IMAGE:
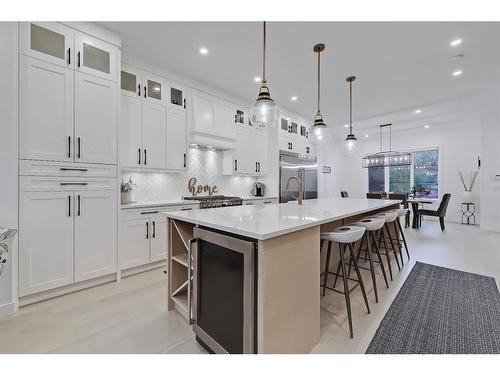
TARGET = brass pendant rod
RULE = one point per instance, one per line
(264, 53)
(350, 107)
(319, 81)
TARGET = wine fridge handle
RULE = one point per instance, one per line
(191, 313)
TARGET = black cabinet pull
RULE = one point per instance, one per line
(73, 183)
(147, 229)
(149, 212)
(69, 56)
(256, 167)
(79, 148)
(235, 165)
(78, 204)
(69, 146)
(184, 160)
(145, 157)
(184, 103)
(259, 167)
(145, 91)
(139, 156)
(78, 63)
(74, 169)
(186, 209)
(69, 205)
(139, 89)
(154, 229)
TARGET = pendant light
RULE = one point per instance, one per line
(350, 141)
(317, 134)
(388, 158)
(264, 112)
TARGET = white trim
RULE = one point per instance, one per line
(7, 309)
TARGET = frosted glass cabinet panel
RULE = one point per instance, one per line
(131, 81)
(154, 89)
(177, 96)
(48, 41)
(95, 57)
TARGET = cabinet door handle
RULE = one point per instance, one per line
(186, 209)
(184, 160)
(256, 167)
(79, 148)
(69, 205)
(149, 212)
(69, 56)
(145, 91)
(154, 229)
(69, 146)
(235, 165)
(184, 103)
(78, 62)
(139, 151)
(78, 204)
(74, 169)
(73, 183)
(145, 157)
(139, 89)
(147, 229)
(259, 167)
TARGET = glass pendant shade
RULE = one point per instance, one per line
(318, 132)
(264, 112)
(349, 144)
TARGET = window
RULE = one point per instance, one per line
(423, 172)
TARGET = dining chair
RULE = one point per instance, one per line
(440, 212)
(404, 198)
(375, 195)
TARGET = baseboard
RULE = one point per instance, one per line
(7, 309)
(144, 268)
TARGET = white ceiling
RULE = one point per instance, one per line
(399, 66)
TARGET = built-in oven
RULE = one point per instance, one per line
(221, 294)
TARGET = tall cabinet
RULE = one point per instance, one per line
(68, 135)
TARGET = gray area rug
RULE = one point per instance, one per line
(441, 311)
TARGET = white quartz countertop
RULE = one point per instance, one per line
(271, 220)
(147, 204)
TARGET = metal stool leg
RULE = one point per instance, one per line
(360, 280)
(379, 257)
(346, 289)
(327, 267)
(404, 239)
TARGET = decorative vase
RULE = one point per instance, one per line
(127, 197)
(467, 196)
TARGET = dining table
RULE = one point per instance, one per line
(415, 202)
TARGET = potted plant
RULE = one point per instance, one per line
(419, 191)
(127, 191)
(468, 189)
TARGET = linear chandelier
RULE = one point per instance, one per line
(388, 158)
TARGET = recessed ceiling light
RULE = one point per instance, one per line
(417, 111)
(257, 79)
(346, 125)
(203, 51)
(456, 42)
(427, 126)
(457, 73)
(366, 135)
(294, 98)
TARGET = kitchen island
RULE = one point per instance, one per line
(248, 277)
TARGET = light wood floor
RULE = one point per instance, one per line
(131, 317)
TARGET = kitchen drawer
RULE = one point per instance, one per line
(135, 214)
(43, 183)
(48, 168)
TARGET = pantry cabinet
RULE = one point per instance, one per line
(46, 98)
(130, 131)
(45, 240)
(96, 120)
(154, 136)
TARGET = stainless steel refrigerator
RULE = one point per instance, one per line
(303, 168)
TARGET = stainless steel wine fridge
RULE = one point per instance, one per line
(221, 294)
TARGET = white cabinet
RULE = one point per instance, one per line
(130, 131)
(131, 81)
(95, 234)
(134, 242)
(95, 119)
(45, 110)
(154, 89)
(224, 119)
(47, 41)
(176, 138)
(96, 57)
(249, 157)
(158, 238)
(154, 136)
(177, 95)
(45, 241)
(203, 113)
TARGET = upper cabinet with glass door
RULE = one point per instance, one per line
(154, 89)
(131, 82)
(176, 95)
(47, 41)
(96, 57)
(241, 117)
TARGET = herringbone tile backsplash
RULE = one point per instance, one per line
(205, 166)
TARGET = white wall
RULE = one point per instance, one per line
(459, 148)
(490, 165)
(8, 154)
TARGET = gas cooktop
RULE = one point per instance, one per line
(213, 201)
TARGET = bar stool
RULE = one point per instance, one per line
(345, 236)
(385, 237)
(371, 226)
(402, 212)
